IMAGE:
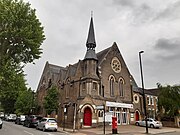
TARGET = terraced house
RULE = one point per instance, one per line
(100, 81)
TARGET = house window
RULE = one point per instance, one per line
(121, 87)
(100, 114)
(111, 84)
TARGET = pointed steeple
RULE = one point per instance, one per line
(91, 43)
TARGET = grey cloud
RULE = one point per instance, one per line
(170, 12)
(128, 3)
(167, 44)
(168, 49)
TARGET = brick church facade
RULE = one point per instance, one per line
(100, 81)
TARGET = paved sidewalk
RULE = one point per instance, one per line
(122, 130)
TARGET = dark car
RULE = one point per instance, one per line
(32, 120)
(20, 119)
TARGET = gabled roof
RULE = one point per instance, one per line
(54, 68)
(102, 54)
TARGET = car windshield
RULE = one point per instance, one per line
(52, 120)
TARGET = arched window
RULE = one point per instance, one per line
(121, 87)
(111, 84)
(67, 87)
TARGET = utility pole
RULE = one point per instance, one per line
(144, 98)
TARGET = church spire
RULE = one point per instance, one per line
(91, 43)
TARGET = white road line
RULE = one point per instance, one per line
(50, 134)
(28, 132)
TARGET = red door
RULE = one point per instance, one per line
(137, 115)
(87, 117)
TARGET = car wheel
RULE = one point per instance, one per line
(55, 130)
(151, 126)
(37, 127)
(28, 125)
(44, 129)
(137, 124)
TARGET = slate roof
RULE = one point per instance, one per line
(90, 54)
(101, 55)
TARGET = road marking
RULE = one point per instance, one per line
(50, 134)
(28, 132)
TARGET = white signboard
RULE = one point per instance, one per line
(99, 107)
(116, 104)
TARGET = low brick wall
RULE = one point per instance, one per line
(168, 124)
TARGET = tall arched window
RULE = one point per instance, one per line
(111, 84)
(121, 87)
(67, 87)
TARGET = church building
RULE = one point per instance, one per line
(97, 83)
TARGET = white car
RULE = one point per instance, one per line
(11, 117)
(47, 124)
(151, 123)
(1, 123)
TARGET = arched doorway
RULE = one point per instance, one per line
(87, 117)
(137, 115)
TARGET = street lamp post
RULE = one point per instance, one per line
(144, 99)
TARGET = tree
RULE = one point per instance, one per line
(21, 33)
(51, 100)
(10, 86)
(169, 100)
(25, 102)
(21, 36)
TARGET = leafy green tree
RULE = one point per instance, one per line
(51, 100)
(21, 36)
(11, 84)
(25, 102)
(21, 33)
(169, 100)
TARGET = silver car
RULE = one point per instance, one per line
(47, 124)
(151, 123)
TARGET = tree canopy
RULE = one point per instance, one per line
(10, 85)
(21, 33)
(21, 37)
(51, 100)
(169, 100)
(25, 102)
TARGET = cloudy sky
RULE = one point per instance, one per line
(135, 25)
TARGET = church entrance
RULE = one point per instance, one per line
(87, 117)
(137, 116)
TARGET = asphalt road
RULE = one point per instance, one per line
(9, 128)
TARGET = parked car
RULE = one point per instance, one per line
(32, 120)
(1, 115)
(20, 119)
(1, 123)
(11, 117)
(151, 123)
(47, 124)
